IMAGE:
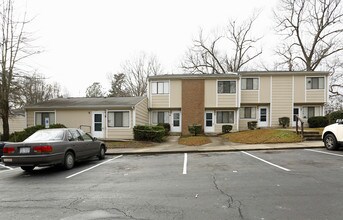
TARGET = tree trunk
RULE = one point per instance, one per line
(5, 127)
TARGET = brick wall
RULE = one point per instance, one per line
(193, 103)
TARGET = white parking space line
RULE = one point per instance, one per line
(267, 162)
(10, 168)
(185, 164)
(324, 152)
(75, 174)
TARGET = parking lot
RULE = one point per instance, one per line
(283, 184)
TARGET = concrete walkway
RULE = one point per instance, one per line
(217, 145)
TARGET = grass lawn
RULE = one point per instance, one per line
(128, 144)
(263, 136)
(194, 140)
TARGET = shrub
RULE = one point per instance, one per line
(19, 136)
(226, 128)
(148, 133)
(333, 116)
(194, 129)
(284, 121)
(318, 122)
(166, 127)
(252, 125)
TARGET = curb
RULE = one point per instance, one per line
(206, 150)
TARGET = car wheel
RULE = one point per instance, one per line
(27, 168)
(330, 142)
(101, 155)
(69, 160)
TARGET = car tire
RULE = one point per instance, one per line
(102, 151)
(27, 168)
(330, 142)
(69, 160)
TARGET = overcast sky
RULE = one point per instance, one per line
(86, 40)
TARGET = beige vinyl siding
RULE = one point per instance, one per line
(282, 99)
(142, 114)
(16, 123)
(210, 93)
(175, 93)
(227, 100)
(265, 89)
(120, 133)
(249, 96)
(243, 123)
(74, 118)
(160, 101)
(299, 89)
(315, 95)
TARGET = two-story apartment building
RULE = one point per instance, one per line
(235, 99)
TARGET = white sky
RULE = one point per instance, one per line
(85, 40)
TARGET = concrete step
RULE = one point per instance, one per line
(313, 138)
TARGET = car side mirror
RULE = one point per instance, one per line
(95, 139)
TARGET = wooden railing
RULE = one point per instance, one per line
(297, 119)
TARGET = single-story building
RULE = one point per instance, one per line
(105, 118)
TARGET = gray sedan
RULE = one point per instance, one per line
(62, 146)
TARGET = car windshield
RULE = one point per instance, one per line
(46, 135)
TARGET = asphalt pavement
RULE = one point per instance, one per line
(217, 145)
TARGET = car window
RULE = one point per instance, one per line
(70, 136)
(46, 135)
(76, 135)
(85, 136)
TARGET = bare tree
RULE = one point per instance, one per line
(137, 72)
(94, 90)
(313, 30)
(207, 57)
(15, 47)
(118, 88)
(31, 89)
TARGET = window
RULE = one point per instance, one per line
(85, 136)
(226, 87)
(41, 118)
(118, 119)
(249, 83)
(315, 83)
(310, 112)
(160, 117)
(248, 113)
(160, 87)
(225, 117)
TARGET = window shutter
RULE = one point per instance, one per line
(255, 83)
(244, 84)
(253, 112)
(166, 117)
(110, 119)
(154, 88)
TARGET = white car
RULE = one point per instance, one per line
(333, 135)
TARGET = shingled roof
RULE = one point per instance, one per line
(87, 103)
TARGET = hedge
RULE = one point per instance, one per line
(252, 125)
(20, 136)
(148, 133)
(318, 122)
(284, 121)
(194, 129)
(166, 127)
(226, 128)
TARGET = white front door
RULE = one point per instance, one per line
(98, 124)
(263, 117)
(209, 122)
(176, 122)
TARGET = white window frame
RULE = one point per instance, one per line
(253, 114)
(154, 120)
(118, 111)
(321, 84)
(226, 93)
(230, 122)
(35, 113)
(160, 87)
(255, 83)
